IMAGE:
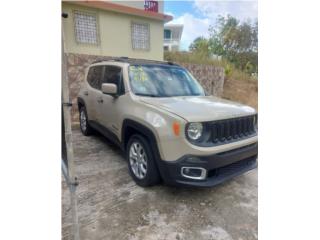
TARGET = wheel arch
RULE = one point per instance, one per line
(80, 102)
(131, 127)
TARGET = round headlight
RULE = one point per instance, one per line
(194, 131)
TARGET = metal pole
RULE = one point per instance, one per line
(70, 172)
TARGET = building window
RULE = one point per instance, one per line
(140, 36)
(86, 27)
(167, 34)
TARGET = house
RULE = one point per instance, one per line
(172, 37)
(115, 28)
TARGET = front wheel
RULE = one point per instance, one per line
(141, 162)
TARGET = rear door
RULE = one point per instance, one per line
(94, 93)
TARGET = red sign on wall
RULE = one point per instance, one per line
(151, 6)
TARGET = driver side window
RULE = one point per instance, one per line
(113, 74)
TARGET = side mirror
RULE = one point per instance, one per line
(109, 88)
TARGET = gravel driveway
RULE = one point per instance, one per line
(112, 206)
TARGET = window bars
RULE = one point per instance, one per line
(86, 27)
(140, 36)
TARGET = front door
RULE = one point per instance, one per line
(110, 105)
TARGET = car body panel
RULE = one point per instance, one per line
(201, 108)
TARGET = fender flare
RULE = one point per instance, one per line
(139, 128)
(147, 132)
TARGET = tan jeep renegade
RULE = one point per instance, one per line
(169, 128)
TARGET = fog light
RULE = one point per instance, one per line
(194, 172)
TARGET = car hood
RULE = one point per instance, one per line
(200, 108)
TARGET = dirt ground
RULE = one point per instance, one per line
(242, 91)
(112, 206)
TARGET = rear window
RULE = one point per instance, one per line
(94, 77)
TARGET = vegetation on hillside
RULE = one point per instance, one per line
(234, 43)
(231, 72)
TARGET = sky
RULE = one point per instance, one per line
(198, 15)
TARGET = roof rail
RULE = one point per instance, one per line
(132, 60)
(119, 59)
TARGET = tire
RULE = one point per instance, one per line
(84, 124)
(146, 161)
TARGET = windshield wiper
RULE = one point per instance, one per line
(147, 95)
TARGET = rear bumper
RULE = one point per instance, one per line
(219, 167)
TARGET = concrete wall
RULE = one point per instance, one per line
(210, 77)
(115, 34)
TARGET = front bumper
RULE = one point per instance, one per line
(220, 167)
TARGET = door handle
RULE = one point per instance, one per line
(86, 93)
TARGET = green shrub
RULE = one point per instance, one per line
(228, 70)
(249, 67)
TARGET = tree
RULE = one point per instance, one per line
(200, 46)
(233, 40)
(236, 41)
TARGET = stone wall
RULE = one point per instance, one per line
(210, 77)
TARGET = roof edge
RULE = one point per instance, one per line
(110, 6)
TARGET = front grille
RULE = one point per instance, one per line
(229, 130)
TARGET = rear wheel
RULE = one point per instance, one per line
(141, 162)
(84, 124)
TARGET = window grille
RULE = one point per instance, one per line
(85, 25)
(140, 36)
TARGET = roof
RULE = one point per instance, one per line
(173, 25)
(110, 6)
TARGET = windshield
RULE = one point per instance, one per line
(163, 81)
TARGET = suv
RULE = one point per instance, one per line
(169, 128)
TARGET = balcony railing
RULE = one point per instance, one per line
(171, 41)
